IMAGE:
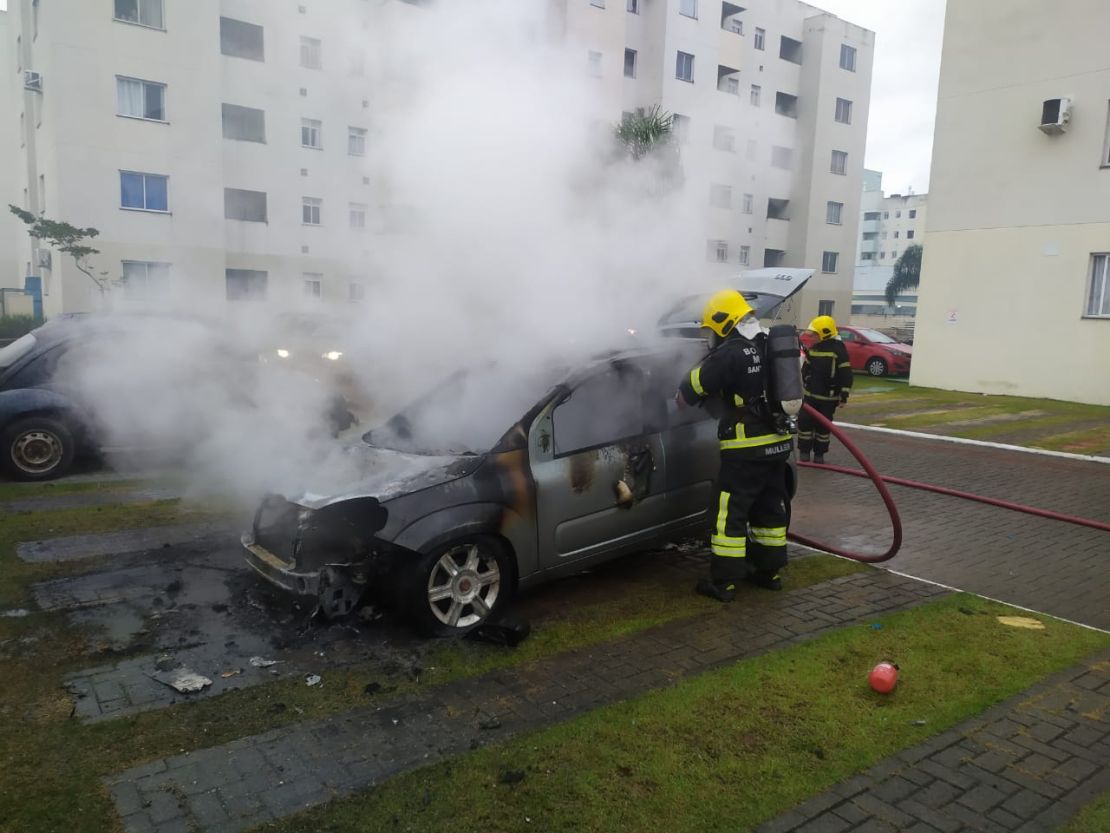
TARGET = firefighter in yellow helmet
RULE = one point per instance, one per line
(752, 508)
(827, 375)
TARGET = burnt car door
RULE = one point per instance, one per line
(598, 466)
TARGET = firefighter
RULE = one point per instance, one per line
(827, 374)
(752, 508)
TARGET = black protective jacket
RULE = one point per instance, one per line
(736, 374)
(827, 373)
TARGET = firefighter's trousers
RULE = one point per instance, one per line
(751, 515)
(811, 436)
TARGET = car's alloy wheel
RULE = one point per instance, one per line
(463, 586)
(876, 367)
(38, 448)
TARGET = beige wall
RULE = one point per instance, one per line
(10, 227)
(1015, 215)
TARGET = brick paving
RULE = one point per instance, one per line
(1054, 567)
(78, 547)
(241, 784)
(1025, 766)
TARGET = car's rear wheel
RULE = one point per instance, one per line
(876, 366)
(37, 448)
(458, 587)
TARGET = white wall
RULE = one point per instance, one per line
(10, 227)
(1005, 278)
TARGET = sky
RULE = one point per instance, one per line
(908, 35)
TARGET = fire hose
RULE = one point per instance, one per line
(880, 482)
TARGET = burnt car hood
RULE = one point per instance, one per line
(384, 474)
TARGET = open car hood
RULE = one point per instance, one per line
(384, 474)
(765, 289)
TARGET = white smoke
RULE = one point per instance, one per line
(512, 232)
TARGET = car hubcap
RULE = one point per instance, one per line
(877, 368)
(463, 586)
(37, 452)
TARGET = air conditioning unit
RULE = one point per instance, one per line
(32, 81)
(43, 261)
(1055, 115)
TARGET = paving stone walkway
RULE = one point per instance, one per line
(243, 783)
(1026, 766)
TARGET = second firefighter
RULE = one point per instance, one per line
(827, 374)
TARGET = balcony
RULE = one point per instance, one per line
(730, 18)
(728, 79)
(786, 105)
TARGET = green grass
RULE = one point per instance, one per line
(23, 491)
(51, 765)
(1094, 818)
(1083, 429)
(744, 743)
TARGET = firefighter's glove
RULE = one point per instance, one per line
(844, 397)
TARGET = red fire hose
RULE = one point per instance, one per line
(880, 482)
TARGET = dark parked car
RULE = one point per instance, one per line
(483, 487)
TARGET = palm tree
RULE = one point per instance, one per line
(642, 133)
(907, 274)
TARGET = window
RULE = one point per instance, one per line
(847, 57)
(630, 63)
(886, 215)
(633, 6)
(898, 215)
(825, 307)
(142, 277)
(245, 205)
(760, 38)
(746, 203)
(1098, 297)
(312, 53)
(313, 283)
(867, 256)
(870, 215)
(786, 105)
(790, 50)
(717, 251)
(882, 255)
(245, 284)
(356, 141)
(242, 40)
(720, 196)
(140, 99)
(870, 235)
(684, 67)
(310, 211)
(910, 234)
(839, 163)
(311, 134)
(600, 411)
(356, 292)
(782, 157)
(594, 64)
(894, 254)
(688, 8)
(777, 209)
(828, 263)
(745, 255)
(833, 211)
(724, 138)
(144, 192)
(843, 111)
(729, 84)
(913, 213)
(773, 257)
(357, 213)
(756, 94)
(896, 235)
(143, 12)
(244, 124)
(680, 124)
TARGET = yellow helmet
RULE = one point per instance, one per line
(824, 326)
(724, 311)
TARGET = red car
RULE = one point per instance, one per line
(870, 350)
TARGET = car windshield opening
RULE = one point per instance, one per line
(877, 337)
(465, 414)
(17, 350)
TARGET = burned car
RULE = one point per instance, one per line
(491, 484)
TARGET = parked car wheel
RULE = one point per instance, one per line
(458, 587)
(37, 448)
(876, 366)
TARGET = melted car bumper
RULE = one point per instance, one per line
(278, 572)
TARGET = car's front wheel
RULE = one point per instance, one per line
(458, 587)
(876, 366)
(37, 448)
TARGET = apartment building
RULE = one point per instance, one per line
(10, 270)
(201, 140)
(888, 226)
(770, 100)
(1023, 116)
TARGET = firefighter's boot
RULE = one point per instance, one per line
(720, 592)
(765, 579)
